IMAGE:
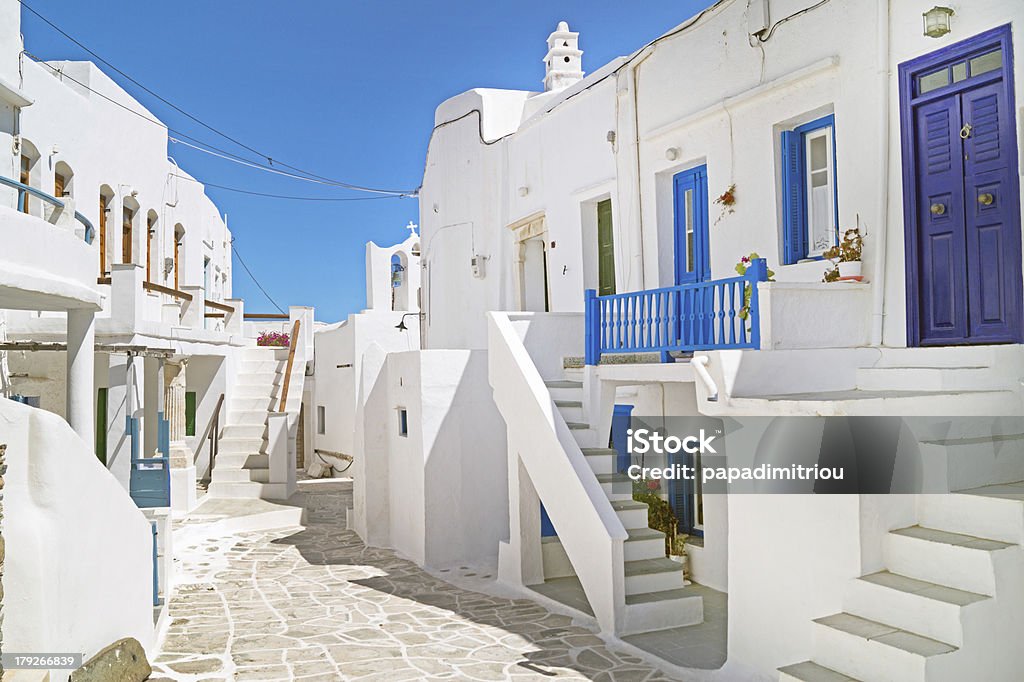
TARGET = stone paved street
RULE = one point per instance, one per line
(315, 604)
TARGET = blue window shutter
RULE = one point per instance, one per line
(794, 216)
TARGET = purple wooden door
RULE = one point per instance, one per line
(963, 222)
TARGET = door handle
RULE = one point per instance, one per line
(938, 209)
(986, 199)
(965, 132)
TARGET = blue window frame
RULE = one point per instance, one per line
(810, 201)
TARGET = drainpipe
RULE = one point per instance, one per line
(639, 183)
(878, 278)
(700, 367)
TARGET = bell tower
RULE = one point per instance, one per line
(564, 61)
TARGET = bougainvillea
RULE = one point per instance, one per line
(274, 339)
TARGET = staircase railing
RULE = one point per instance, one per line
(292, 344)
(714, 315)
(588, 527)
(24, 191)
(212, 434)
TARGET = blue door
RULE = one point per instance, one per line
(692, 258)
(961, 195)
(693, 263)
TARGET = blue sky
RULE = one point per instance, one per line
(343, 89)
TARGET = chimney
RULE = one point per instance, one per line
(564, 61)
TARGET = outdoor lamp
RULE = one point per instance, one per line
(936, 21)
(401, 323)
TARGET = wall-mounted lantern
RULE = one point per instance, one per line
(937, 21)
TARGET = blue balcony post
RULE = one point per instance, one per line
(757, 271)
(156, 567)
(592, 317)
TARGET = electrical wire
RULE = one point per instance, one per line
(304, 174)
(780, 22)
(282, 196)
(255, 281)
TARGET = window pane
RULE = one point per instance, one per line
(959, 72)
(819, 178)
(819, 153)
(688, 203)
(932, 81)
(987, 62)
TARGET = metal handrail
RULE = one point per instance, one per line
(212, 434)
(24, 189)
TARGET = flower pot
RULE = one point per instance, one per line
(849, 269)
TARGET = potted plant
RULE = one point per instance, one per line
(273, 339)
(846, 257)
(678, 554)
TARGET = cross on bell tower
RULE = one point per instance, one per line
(564, 60)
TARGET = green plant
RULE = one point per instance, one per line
(849, 250)
(660, 516)
(741, 268)
(679, 544)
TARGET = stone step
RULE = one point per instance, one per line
(873, 403)
(870, 650)
(556, 561)
(251, 366)
(918, 606)
(644, 543)
(249, 417)
(237, 460)
(263, 354)
(944, 356)
(963, 562)
(244, 431)
(631, 513)
(565, 390)
(225, 475)
(931, 378)
(652, 575)
(242, 446)
(235, 489)
(601, 460)
(572, 410)
(616, 486)
(256, 391)
(244, 403)
(976, 513)
(808, 671)
(661, 610)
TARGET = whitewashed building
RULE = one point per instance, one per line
(116, 314)
(604, 217)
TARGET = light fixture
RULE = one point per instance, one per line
(672, 153)
(524, 190)
(401, 323)
(936, 21)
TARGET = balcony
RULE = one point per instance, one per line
(45, 263)
(720, 314)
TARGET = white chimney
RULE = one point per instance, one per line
(564, 61)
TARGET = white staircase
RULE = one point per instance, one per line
(242, 467)
(947, 607)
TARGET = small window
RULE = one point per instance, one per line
(403, 422)
(190, 413)
(810, 197)
(321, 420)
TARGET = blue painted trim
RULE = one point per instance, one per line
(621, 417)
(24, 189)
(794, 180)
(547, 529)
(1000, 36)
(592, 340)
(694, 179)
(156, 567)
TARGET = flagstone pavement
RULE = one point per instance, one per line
(314, 604)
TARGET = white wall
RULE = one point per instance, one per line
(79, 552)
(440, 494)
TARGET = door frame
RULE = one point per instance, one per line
(697, 178)
(532, 227)
(908, 71)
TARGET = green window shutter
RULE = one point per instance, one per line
(605, 249)
(101, 425)
(190, 413)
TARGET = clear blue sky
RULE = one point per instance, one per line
(341, 88)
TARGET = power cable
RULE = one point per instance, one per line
(270, 160)
(282, 196)
(255, 281)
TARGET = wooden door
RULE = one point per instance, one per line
(26, 176)
(605, 249)
(177, 258)
(150, 223)
(103, 235)
(127, 216)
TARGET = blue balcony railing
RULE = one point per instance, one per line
(24, 190)
(714, 315)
